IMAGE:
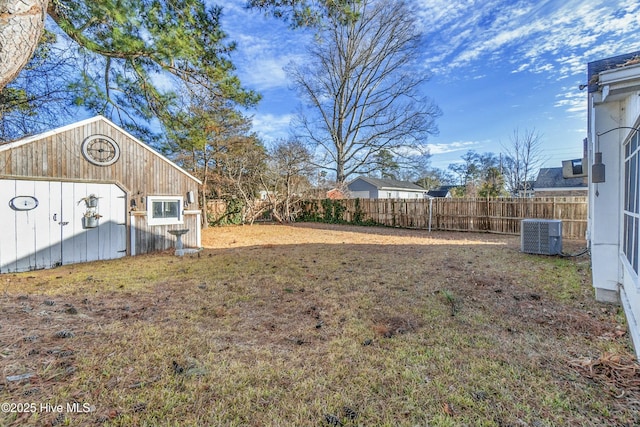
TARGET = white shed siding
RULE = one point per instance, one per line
(53, 233)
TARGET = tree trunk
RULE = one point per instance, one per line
(340, 178)
(21, 24)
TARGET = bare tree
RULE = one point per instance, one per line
(523, 158)
(432, 178)
(286, 180)
(243, 171)
(362, 87)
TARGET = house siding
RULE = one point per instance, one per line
(361, 188)
(558, 192)
(614, 107)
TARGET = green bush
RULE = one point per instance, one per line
(232, 214)
(332, 212)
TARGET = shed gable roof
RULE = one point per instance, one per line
(40, 136)
(382, 184)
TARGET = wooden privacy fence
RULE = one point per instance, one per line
(501, 215)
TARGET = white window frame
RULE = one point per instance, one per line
(165, 221)
(630, 244)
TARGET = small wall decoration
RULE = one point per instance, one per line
(23, 203)
(91, 201)
(100, 150)
(91, 216)
(90, 219)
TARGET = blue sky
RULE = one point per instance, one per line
(496, 66)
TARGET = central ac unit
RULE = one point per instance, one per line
(541, 236)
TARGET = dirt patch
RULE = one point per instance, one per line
(396, 325)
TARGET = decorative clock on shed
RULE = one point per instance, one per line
(100, 150)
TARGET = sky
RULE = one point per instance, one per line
(497, 66)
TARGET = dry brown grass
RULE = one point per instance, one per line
(312, 325)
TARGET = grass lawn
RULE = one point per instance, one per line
(312, 325)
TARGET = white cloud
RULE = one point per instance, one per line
(572, 100)
(451, 147)
(537, 38)
(265, 46)
(266, 73)
(271, 126)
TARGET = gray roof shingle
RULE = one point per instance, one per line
(552, 178)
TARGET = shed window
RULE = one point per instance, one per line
(164, 210)
(630, 243)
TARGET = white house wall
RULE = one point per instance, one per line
(359, 194)
(393, 194)
(411, 195)
(613, 278)
(605, 203)
(360, 188)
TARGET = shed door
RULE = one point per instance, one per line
(43, 224)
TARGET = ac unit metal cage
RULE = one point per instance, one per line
(541, 236)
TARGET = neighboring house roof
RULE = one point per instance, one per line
(387, 184)
(551, 178)
(438, 193)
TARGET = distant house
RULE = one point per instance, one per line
(335, 194)
(442, 191)
(365, 187)
(550, 183)
(526, 189)
(614, 194)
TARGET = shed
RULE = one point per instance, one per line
(550, 183)
(364, 187)
(90, 191)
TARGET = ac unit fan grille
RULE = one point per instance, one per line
(541, 237)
